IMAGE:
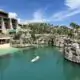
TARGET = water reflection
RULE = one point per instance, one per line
(4, 63)
(30, 53)
(25, 54)
(71, 70)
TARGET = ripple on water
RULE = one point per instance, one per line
(50, 66)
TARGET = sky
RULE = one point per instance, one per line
(57, 12)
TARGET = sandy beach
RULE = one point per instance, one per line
(3, 46)
(7, 49)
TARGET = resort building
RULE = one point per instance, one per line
(7, 27)
(7, 23)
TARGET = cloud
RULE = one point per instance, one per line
(73, 9)
(12, 15)
(72, 4)
(1, 10)
(64, 14)
(38, 16)
(19, 20)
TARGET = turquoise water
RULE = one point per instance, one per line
(5, 51)
(50, 66)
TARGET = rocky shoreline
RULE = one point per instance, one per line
(72, 52)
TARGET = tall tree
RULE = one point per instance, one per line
(74, 25)
(75, 28)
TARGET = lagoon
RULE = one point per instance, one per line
(50, 66)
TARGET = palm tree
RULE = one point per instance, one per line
(75, 27)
